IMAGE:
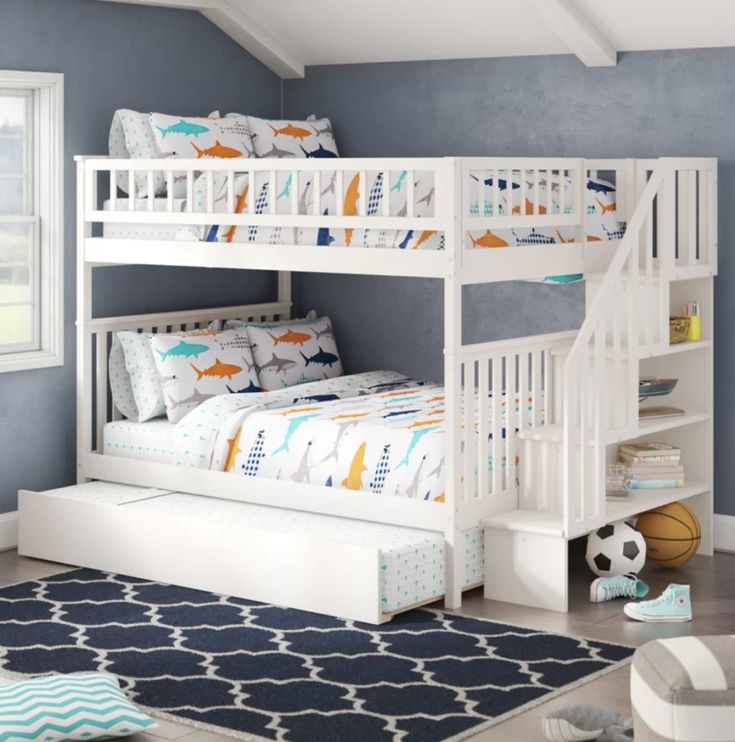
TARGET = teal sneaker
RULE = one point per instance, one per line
(623, 586)
(674, 604)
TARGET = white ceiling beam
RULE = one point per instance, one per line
(240, 27)
(577, 31)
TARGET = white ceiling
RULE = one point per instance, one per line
(290, 34)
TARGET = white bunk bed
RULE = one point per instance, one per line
(584, 383)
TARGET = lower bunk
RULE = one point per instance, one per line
(343, 567)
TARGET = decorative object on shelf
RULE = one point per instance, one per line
(652, 386)
(615, 483)
(678, 330)
(694, 331)
(652, 465)
(672, 534)
(615, 549)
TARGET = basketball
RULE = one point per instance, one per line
(672, 534)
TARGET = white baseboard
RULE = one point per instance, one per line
(724, 532)
(9, 530)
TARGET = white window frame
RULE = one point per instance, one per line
(46, 131)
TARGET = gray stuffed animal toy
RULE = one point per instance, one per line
(580, 721)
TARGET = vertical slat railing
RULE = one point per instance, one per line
(586, 417)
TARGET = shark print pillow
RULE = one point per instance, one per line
(294, 353)
(189, 137)
(291, 138)
(194, 367)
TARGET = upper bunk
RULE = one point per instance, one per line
(474, 219)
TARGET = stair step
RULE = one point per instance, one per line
(551, 524)
(543, 434)
(681, 273)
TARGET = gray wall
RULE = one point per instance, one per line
(652, 104)
(115, 56)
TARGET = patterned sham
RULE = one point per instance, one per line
(132, 137)
(290, 138)
(295, 353)
(143, 375)
(121, 387)
(189, 137)
(134, 382)
(195, 367)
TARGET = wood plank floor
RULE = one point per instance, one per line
(713, 592)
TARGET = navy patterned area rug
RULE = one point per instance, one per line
(253, 670)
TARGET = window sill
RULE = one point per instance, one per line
(30, 360)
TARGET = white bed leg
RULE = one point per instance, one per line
(527, 568)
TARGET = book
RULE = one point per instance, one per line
(662, 462)
(654, 484)
(645, 470)
(665, 476)
(660, 411)
(645, 450)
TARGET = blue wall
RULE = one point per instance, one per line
(652, 104)
(115, 56)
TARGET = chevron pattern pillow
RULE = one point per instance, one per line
(80, 706)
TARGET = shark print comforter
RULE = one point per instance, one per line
(600, 202)
(377, 432)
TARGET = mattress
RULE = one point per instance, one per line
(411, 560)
(113, 230)
(148, 441)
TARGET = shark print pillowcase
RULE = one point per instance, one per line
(191, 137)
(312, 138)
(294, 353)
(193, 368)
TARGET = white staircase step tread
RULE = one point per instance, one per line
(551, 524)
(528, 521)
(554, 433)
(681, 273)
(644, 351)
(543, 434)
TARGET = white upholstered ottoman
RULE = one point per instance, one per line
(683, 689)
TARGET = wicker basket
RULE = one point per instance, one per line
(678, 330)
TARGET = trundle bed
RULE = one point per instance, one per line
(143, 508)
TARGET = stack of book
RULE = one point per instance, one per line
(652, 465)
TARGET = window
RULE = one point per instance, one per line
(31, 226)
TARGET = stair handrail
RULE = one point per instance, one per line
(576, 456)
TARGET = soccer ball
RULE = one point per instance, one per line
(615, 549)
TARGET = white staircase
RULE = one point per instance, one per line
(667, 257)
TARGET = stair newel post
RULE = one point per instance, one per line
(633, 330)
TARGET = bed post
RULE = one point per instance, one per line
(284, 292)
(86, 194)
(452, 205)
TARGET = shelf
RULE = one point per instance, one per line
(647, 427)
(550, 524)
(642, 500)
(668, 350)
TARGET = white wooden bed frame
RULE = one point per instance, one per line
(588, 377)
